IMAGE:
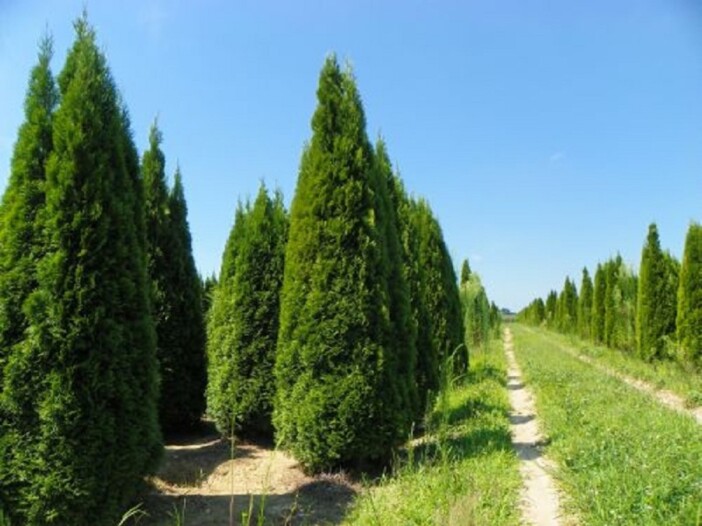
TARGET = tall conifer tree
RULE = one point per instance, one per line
(585, 306)
(338, 400)
(689, 310)
(82, 386)
(598, 304)
(242, 385)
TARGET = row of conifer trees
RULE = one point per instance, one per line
(657, 315)
(331, 325)
(100, 302)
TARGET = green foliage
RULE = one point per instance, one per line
(338, 399)
(551, 308)
(440, 296)
(598, 305)
(176, 294)
(567, 308)
(585, 306)
(465, 271)
(620, 305)
(689, 308)
(534, 313)
(80, 390)
(21, 248)
(208, 285)
(476, 311)
(244, 321)
(656, 300)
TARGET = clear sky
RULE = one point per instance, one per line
(545, 134)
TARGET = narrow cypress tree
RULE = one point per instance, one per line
(402, 342)
(440, 290)
(182, 337)
(655, 318)
(242, 383)
(585, 306)
(336, 402)
(465, 272)
(551, 307)
(598, 304)
(82, 386)
(21, 248)
(476, 311)
(689, 311)
(567, 307)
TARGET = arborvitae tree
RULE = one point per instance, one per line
(183, 369)
(689, 310)
(598, 304)
(551, 306)
(403, 338)
(22, 246)
(585, 306)
(440, 291)
(567, 308)
(495, 320)
(338, 399)
(427, 363)
(476, 311)
(209, 284)
(242, 356)
(81, 389)
(176, 295)
(620, 305)
(655, 313)
(465, 272)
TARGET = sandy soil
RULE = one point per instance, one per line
(212, 484)
(540, 499)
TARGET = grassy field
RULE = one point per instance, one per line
(623, 459)
(669, 375)
(464, 471)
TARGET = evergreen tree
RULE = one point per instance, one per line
(585, 306)
(598, 304)
(338, 399)
(209, 284)
(465, 272)
(81, 389)
(620, 305)
(242, 355)
(567, 308)
(689, 309)
(476, 311)
(655, 313)
(440, 291)
(403, 337)
(176, 295)
(551, 306)
(21, 247)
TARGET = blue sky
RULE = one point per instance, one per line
(546, 135)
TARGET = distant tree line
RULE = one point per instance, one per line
(329, 326)
(657, 315)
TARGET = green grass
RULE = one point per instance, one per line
(464, 472)
(686, 382)
(622, 458)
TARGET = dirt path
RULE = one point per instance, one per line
(665, 397)
(203, 479)
(540, 499)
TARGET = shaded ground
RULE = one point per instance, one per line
(210, 483)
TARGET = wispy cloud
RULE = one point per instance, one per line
(556, 157)
(152, 17)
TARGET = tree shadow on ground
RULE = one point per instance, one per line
(322, 501)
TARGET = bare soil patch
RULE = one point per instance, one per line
(212, 483)
(540, 499)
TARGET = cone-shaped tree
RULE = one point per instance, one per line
(338, 398)
(402, 343)
(620, 305)
(476, 311)
(567, 308)
(465, 272)
(689, 312)
(21, 244)
(182, 337)
(82, 387)
(440, 291)
(598, 304)
(551, 307)
(585, 306)
(242, 353)
(655, 313)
